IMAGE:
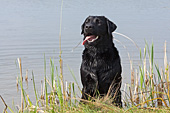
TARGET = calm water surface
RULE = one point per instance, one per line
(30, 28)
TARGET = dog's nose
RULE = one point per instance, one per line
(89, 26)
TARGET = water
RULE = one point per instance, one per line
(30, 28)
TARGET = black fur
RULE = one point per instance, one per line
(101, 66)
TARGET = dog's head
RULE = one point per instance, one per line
(95, 28)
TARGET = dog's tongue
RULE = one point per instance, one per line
(91, 37)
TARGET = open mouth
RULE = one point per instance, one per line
(90, 38)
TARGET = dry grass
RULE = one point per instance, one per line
(149, 85)
(148, 90)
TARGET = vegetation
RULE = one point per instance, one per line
(148, 92)
(149, 84)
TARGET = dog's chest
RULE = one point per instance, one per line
(97, 61)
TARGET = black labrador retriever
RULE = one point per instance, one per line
(101, 68)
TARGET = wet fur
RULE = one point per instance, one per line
(101, 67)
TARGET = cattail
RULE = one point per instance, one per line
(160, 91)
(26, 78)
(132, 78)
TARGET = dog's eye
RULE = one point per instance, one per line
(97, 21)
(87, 20)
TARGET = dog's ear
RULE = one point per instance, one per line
(82, 28)
(110, 26)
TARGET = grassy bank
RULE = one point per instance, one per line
(148, 91)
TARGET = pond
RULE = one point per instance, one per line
(30, 28)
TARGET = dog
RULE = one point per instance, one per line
(101, 66)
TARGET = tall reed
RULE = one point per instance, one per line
(151, 88)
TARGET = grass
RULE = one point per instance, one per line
(148, 91)
(150, 88)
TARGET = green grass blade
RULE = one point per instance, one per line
(141, 56)
(159, 75)
(23, 92)
(52, 72)
(161, 81)
(152, 55)
(34, 88)
(74, 94)
(141, 77)
(46, 94)
(11, 110)
(59, 90)
(29, 101)
(73, 75)
(147, 46)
